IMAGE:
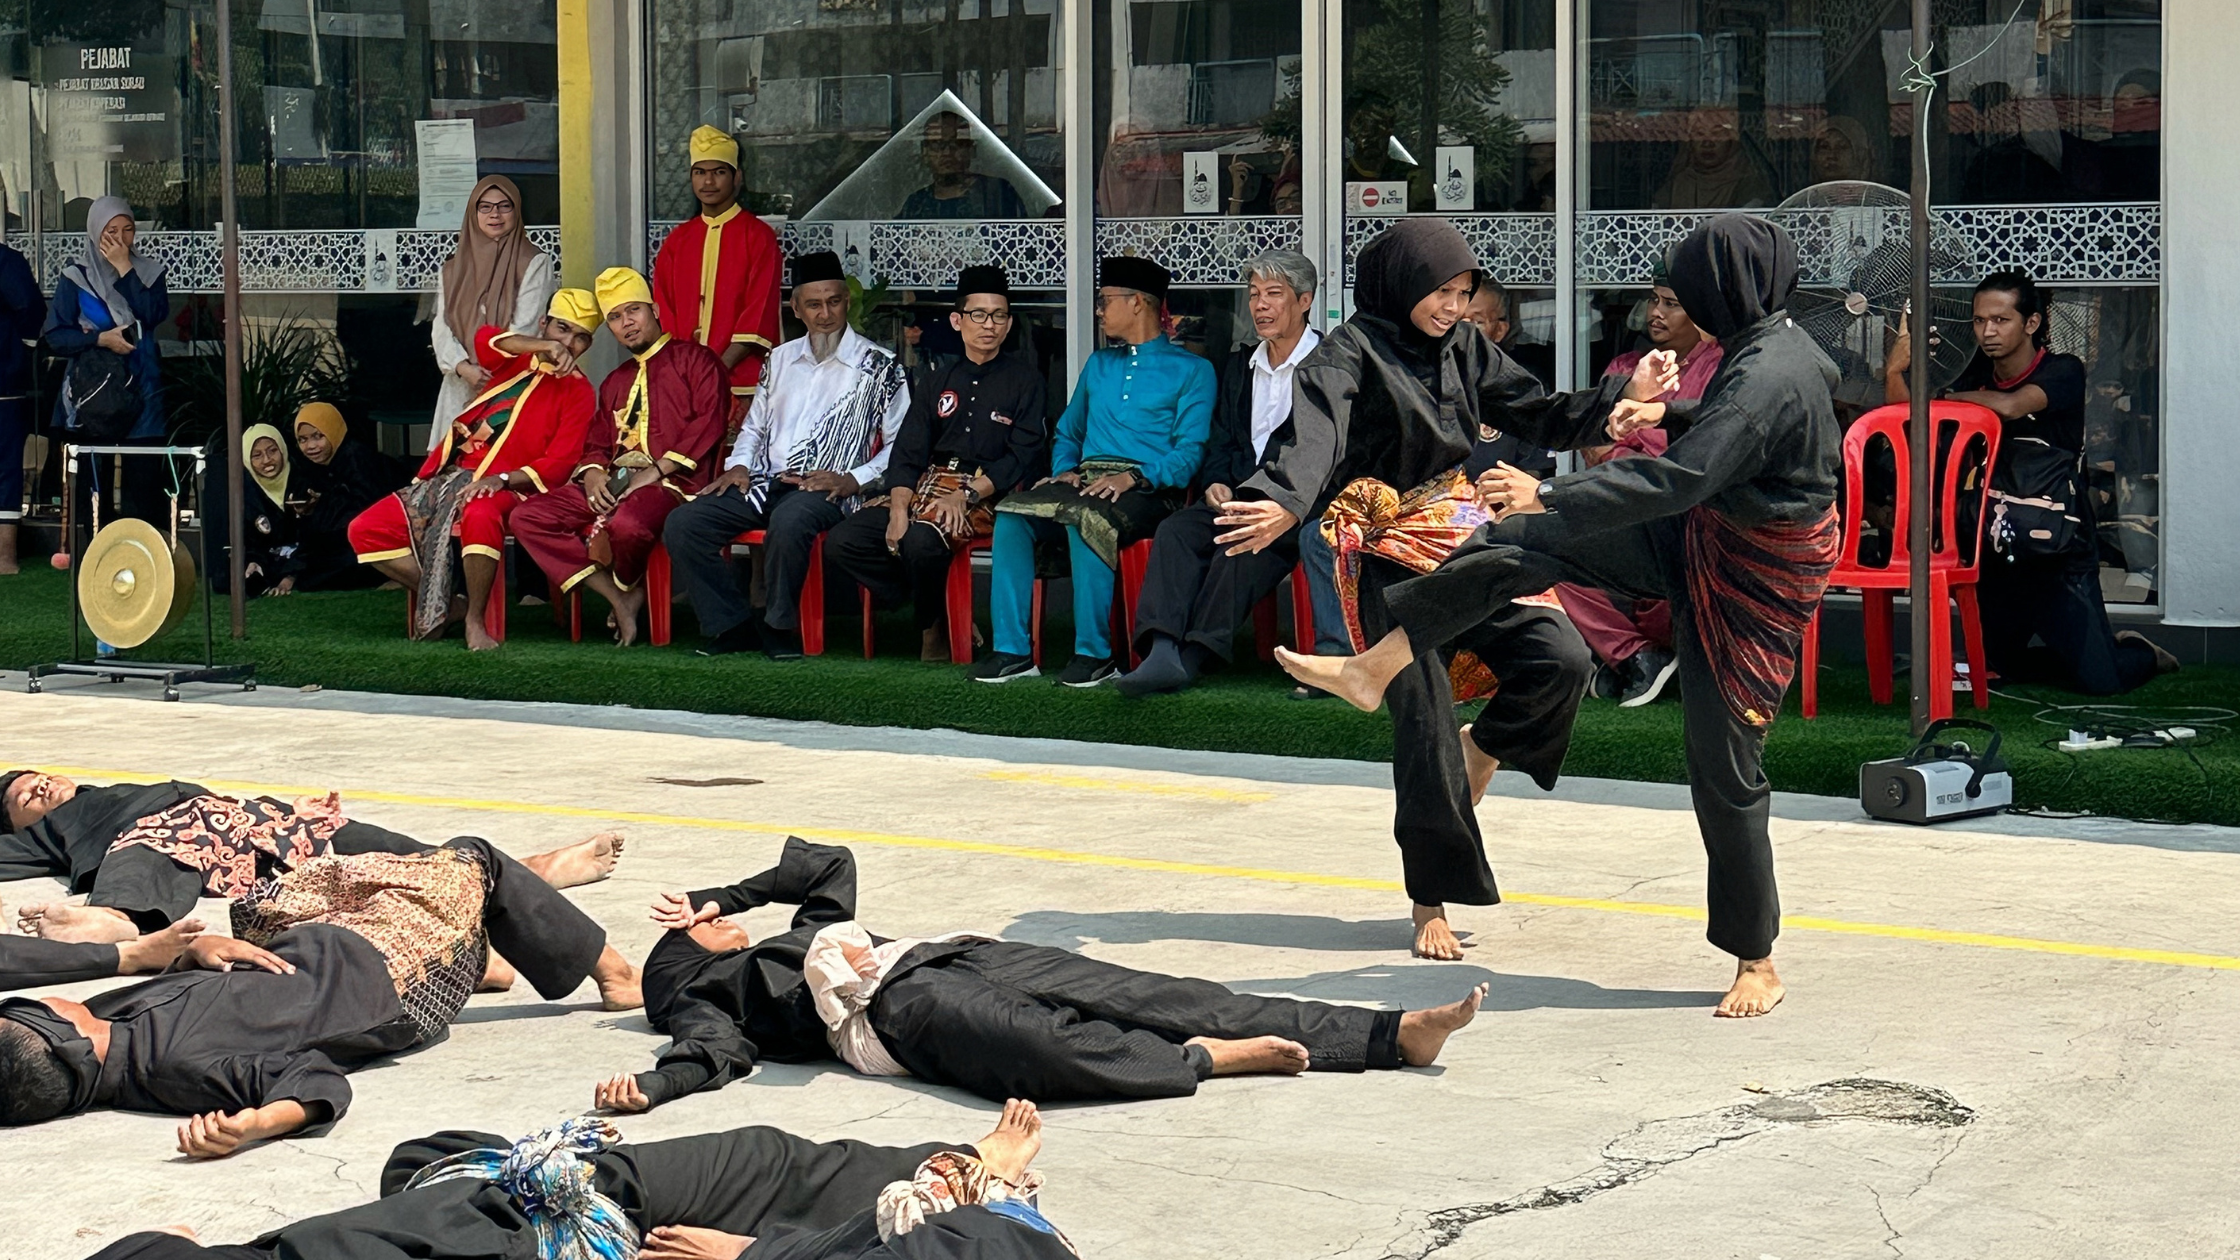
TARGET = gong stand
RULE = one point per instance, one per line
(113, 668)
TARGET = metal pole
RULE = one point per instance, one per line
(229, 244)
(1921, 326)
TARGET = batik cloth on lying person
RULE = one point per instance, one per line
(234, 843)
(548, 1176)
(952, 1180)
(1102, 523)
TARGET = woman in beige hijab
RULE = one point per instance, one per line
(496, 277)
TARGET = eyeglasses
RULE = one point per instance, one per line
(985, 318)
(494, 207)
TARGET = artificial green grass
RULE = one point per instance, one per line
(355, 641)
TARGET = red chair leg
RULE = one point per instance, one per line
(1940, 648)
(1135, 562)
(1971, 631)
(863, 601)
(574, 614)
(658, 595)
(1265, 629)
(1876, 610)
(1302, 612)
(960, 607)
(1808, 665)
(494, 609)
(559, 609)
(812, 602)
(1034, 623)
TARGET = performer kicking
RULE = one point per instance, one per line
(1384, 414)
(339, 961)
(143, 853)
(475, 1196)
(1000, 1019)
(1735, 523)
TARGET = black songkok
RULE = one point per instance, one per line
(822, 265)
(984, 278)
(1140, 274)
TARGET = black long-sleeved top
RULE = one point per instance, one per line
(271, 533)
(1229, 459)
(70, 841)
(151, 305)
(726, 1012)
(1761, 445)
(188, 1042)
(353, 480)
(989, 417)
(28, 960)
(22, 311)
(1373, 401)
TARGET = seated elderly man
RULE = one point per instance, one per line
(517, 438)
(821, 428)
(973, 433)
(1126, 446)
(649, 448)
(1196, 594)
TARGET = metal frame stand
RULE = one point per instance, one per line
(114, 670)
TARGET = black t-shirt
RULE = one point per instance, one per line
(2061, 376)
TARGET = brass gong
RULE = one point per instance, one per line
(133, 584)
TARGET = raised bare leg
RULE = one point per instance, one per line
(1479, 766)
(1358, 680)
(482, 579)
(86, 925)
(1756, 990)
(628, 605)
(1254, 1055)
(584, 862)
(1423, 1034)
(156, 950)
(1434, 939)
(1016, 1140)
(618, 981)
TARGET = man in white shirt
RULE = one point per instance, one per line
(1196, 595)
(820, 429)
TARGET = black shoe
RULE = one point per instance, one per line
(1002, 667)
(744, 637)
(781, 645)
(1087, 671)
(1650, 669)
(1608, 682)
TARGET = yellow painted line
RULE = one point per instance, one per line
(1110, 861)
(1086, 784)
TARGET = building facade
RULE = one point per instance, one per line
(2076, 140)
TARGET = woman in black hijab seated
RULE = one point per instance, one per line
(1735, 524)
(1384, 412)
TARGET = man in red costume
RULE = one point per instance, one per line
(649, 448)
(518, 438)
(717, 276)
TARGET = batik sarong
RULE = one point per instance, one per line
(951, 1180)
(431, 513)
(1751, 592)
(235, 843)
(1101, 522)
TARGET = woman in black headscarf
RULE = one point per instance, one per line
(1383, 415)
(1735, 524)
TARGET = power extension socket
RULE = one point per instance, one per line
(2160, 738)
(2083, 741)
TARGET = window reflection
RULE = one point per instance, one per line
(943, 164)
(1198, 107)
(1453, 95)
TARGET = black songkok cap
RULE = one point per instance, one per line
(1140, 274)
(822, 265)
(984, 278)
(71, 1049)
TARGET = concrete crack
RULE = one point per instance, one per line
(1657, 1144)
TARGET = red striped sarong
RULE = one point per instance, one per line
(1751, 592)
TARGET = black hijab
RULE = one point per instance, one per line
(1732, 272)
(1406, 264)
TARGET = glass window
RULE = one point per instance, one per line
(865, 109)
(1197, 111)
(1455, 99)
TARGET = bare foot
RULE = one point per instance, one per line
(619, 982)
(584, 862)
(1338, 675)
(626, 616)
(497, 975)
(1423, 1034)
(61, 921)
(1254, 1055)
(1434, 939)
(157, 950)
(692, 1242)
(1017, 1138)
(1478, 765)
(479, 638)
(1757, 990)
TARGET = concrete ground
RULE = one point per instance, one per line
(2008, 1038)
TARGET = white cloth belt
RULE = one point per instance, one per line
(844, 969)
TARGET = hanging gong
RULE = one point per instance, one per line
(133, 584)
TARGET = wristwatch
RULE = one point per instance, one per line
(971, 495)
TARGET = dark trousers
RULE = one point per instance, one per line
(551, 942)
(2058, 601)
(1006, 1020)
(1726, 774)
(920, 575)
(28, 960)
(699, 537)
(1195, 592)
(15, 426)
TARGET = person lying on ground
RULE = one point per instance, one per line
(29, 960)
(997, 1018)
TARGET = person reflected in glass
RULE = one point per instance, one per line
(1369, 141)
(957, 192)
(1841, 150)
(496, 277)
(1714, 169)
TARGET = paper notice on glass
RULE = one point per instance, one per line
(447, 170)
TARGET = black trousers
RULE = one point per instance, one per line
(1725, 755)
(1006, 1020)
(967, 1233)
(920, 575)
(1194, 592)
(698, 535)
(28, 960)
(542, 933)
(2058, 601)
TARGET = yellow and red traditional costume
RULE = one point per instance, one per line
(716, 278)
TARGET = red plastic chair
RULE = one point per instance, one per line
(493, 609)
(1135, 562)
(960, 600)
(659, 600)
(1952, 572)
(1267, 632)
(812, 596)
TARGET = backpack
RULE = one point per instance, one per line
(2037, 501)
(101, 396)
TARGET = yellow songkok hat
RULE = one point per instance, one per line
(577, 306)
(710, 144)
(619, 286)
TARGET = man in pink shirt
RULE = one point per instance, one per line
(1634, 641)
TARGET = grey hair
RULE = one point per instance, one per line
(1287, 265)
